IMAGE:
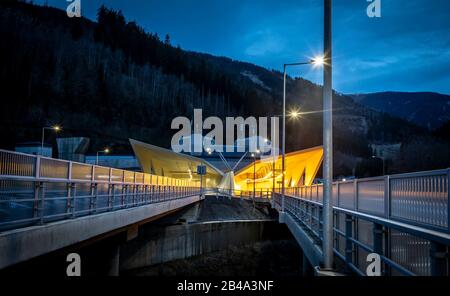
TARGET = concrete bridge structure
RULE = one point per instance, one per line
(48, 205)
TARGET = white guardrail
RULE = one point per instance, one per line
(420, 198)
(36, 189)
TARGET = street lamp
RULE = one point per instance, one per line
(317, 61)
(327, 208)
(383, 160)
(105, 151)
(55, 128)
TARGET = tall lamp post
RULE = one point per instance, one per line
(55, 128)
(105, 151)
(318, 61)
(327, 241)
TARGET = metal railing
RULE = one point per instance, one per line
(403, 218)
(36, 189)
(260, 195)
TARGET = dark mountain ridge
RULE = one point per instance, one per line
(427, 109)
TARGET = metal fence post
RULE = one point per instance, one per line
(93, 189)
(42, 207)
(135, 194)
(69, 198)
(123, 197)
(69, 190)
(448, 200)
(37, 187)
(110, 189)
(37, 190)
(112, 193)
(145, 196)
(135, 199)
(74, 200)
(348, 243)
(387, 196)
(378, 240)
(152, 193)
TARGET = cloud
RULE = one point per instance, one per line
(264, 43)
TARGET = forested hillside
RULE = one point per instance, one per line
(110, 80)
(426, 109)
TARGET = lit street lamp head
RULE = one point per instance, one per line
(56, 128)
(106, 150)
(294, 114)
(318, 61)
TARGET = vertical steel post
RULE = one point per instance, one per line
(327, 139)
(448, 200)
(378, 238)
(201, 185)
(387, 196)
(37, 186)
(283, 146)
(348, 243)
(42, 208)
(254, 177)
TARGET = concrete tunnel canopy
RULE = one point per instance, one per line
(164, 162)
(300, 168)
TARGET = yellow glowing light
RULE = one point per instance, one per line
(106, 150)
(302, 164)
(56, 128)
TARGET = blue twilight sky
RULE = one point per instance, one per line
(407, 49)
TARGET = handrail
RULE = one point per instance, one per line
(37, 190)
(392, 240)
(420, 198)
(31, 166)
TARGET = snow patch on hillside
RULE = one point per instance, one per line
(255, 79)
